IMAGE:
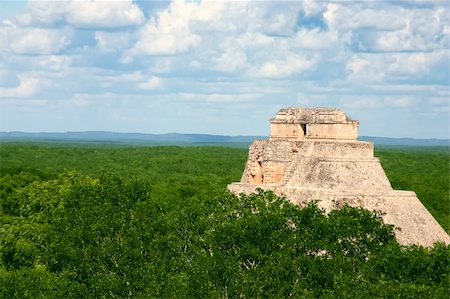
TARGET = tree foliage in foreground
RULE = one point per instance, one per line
(77, 236)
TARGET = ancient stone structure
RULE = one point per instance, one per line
(314, 154)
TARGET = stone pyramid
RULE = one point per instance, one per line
(314, 154)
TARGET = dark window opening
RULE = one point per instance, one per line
(303, 128)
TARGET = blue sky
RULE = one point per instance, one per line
(223, 67)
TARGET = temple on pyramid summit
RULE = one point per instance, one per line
(314, 154)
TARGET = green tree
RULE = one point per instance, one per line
(77, 236)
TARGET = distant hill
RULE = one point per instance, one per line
(185, 139)
(128, 138)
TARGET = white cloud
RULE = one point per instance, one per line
(347, 16)
(278, 19)
(83, 13)
(112, 41)
(378, 26)
(33, 40)
(413, 64)
(231, 60)
(152, 83)
(258, 39)
(104, 14)
(157, 40)
(315, 39)
(385, 66)
(363, 68)
(291, 64)
(54, 63)
(227, 17)
(43, 13)
(280, 22)
(169, 33)
(166, 41)
(425, 30)
(183, 26)
(27, 87)
(312, 7)
(425, 3)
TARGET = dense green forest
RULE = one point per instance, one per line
(115, 221)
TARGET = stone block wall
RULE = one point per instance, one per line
(332, 131)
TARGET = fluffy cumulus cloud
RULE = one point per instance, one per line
(287, 66)
(232, 59)
(315, 39)
(82, 13)
(129, 64)
(180, 27)
(33, 40)
(358, 16)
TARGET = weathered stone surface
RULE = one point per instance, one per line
(307, 123)
(313, 154)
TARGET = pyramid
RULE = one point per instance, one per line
(314, 154)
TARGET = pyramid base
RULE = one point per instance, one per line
(412, 221)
